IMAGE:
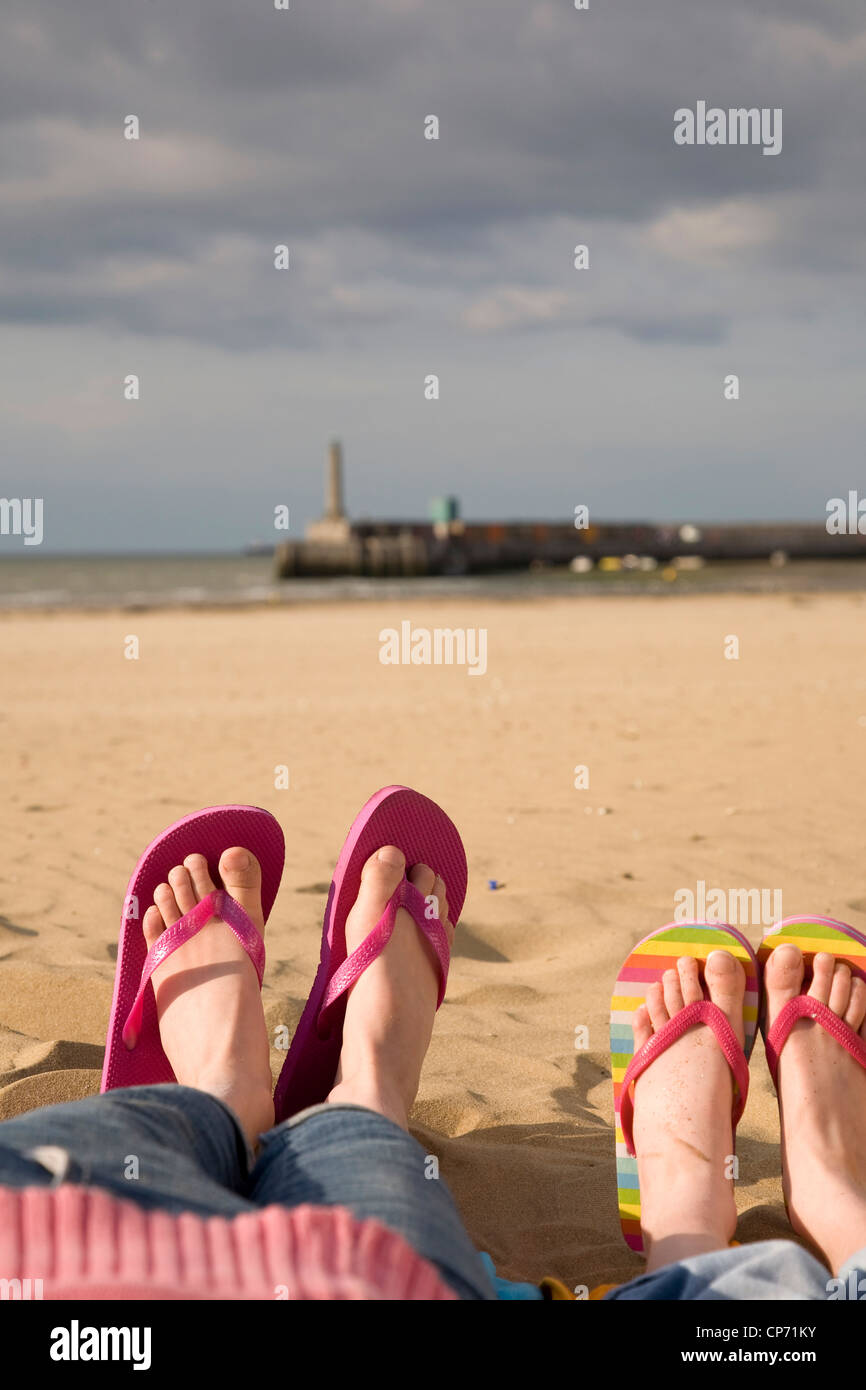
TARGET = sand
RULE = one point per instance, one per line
(740, 773)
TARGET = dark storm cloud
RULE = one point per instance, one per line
(260, 126)
(683, 328)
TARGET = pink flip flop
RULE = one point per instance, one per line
(417, 826)
(133, 1053)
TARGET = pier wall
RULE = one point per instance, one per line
(452, 548)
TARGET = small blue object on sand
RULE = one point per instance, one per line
(492, 884)
(506, 1289)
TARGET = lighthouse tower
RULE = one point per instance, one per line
(334, 524)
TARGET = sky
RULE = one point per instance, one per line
(410, 257)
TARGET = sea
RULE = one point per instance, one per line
(33, 583)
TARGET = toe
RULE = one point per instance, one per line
(440, 893)
(163, 896)
(437, 901)
(242, 878)
(783, 977)
(655, 1005)
(433, 888)
(184, 893)
(726, 986)
(380, 878)
(823, 969)
(840, 989)
(855, 1014)
(423, 878)
(641, 1027)
(690, 980)
(153, 926)
(197, 866)
(672, 991)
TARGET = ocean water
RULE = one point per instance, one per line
(38, 582)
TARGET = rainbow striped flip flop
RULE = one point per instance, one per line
(811, 934)
(814, 934)
(647, 963)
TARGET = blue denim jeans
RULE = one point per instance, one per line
(178, 1149)
(769, 1270)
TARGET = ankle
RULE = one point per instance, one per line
(251, 1104)
(372, 1094)
(837, 1240)
(690, 1206)
(670, 1249)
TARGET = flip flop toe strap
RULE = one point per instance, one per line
(703, 1011)
(805, 1007)
(217, 904)
(424, 912)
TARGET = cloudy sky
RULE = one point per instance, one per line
(411, 257)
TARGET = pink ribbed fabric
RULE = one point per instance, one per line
(82, 1243)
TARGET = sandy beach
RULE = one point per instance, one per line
(738, 773)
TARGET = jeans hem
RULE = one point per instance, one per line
(329, 1107)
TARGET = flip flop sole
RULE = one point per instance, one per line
(416, 825)
(651, 957)
(209, 832)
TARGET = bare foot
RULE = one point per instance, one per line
(683, 1132)
(391, 1007)
(822, 1105)
(211, 1020)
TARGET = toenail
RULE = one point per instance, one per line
(240, 860)
(390, 856)
(720, 958)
